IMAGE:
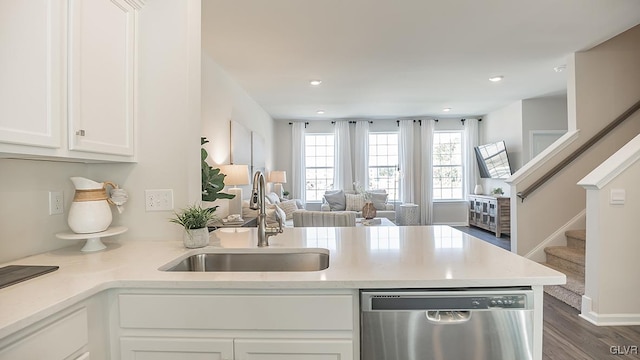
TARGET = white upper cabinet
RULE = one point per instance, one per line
(31, 72)
(68, 79)
(102, 39)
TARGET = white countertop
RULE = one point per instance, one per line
(360, 257)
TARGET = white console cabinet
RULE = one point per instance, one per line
(236, 325)
(68, 79)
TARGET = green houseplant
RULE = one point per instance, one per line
(212, 179)
(194, 219)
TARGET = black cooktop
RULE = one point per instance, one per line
(13, 274)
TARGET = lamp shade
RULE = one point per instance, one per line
(236, 174)
(278, 176)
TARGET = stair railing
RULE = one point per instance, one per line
(574, 155)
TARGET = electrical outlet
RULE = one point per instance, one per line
(56, 202)
(158, 200)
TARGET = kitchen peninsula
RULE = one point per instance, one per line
(117, 303)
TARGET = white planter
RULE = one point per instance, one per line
(196, 238)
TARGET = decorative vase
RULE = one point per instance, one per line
(196, 238)
(478, 190)
(368, 210)
(90, 212)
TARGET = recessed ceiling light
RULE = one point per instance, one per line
(560, 68)
(320, 112)
(446, 109)
(315, 82)
(496, 78)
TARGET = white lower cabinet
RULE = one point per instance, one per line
(64, 338)
(258, 325)
(286, 349)
(135, 348)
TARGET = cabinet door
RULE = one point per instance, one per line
(59, 340)
(284, 349)
(138, 348)
(102, 44)
(31, 72)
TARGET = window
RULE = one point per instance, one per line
(383, 162)
(447, 165)
(319, 165)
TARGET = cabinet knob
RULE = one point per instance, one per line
(80, 132)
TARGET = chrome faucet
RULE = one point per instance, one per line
(258, 203)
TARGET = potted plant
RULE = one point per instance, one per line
(212, 179)
(194, 220)
(497, 192)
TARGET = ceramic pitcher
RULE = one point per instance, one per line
(90, 211)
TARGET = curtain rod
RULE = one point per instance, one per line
(353, 122)
(305, 124)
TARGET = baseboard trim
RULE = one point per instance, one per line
(606, 319)
(557, 238)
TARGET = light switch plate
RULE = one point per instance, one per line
(617, 197)
(159, 200)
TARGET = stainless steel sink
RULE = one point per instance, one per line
(253, 261)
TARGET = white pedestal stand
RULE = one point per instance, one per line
(94, 242)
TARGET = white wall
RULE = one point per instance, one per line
(223, 100)
(503, 124)
(514, 124)
(167, 145)
(612, 246)
(605, 83)
(547, 113)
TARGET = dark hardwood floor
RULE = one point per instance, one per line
(503, 242)
(568, 336)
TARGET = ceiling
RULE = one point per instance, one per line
(403, 58)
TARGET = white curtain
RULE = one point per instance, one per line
(298, 185)
(426, 170)
(470, 164)
(342, 177)
(361, 154)
(406, 159)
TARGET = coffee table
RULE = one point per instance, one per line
(374, 222)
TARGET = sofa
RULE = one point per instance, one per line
(350, 200)
(273, 205)
(304, 218)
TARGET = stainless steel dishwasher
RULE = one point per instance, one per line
(486, 324)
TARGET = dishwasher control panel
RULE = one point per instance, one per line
(507, 302)
(443, 303)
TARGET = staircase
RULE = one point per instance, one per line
(570, 261)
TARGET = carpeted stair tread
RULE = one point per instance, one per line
(575, 281)
(567, 296)
(567, 253)
(577, 234)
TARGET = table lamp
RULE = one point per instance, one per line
(278, 177)
(236, 175)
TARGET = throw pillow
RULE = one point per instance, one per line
(272, 198)
(271, 215)
(355, 202)
(336, 200)
(379, 200)
(288, 207)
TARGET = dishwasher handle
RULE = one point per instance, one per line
(448, 317)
